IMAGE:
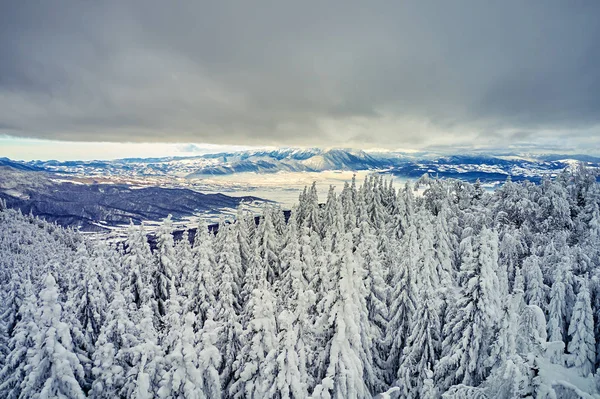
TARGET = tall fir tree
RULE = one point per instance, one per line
(348, 371)
(53, 369)
(209, 358)
(112, 358)
(472, 322)
(581, 332)
(403, 300)
(137, 263)
(255, 363)
(199, 284)
(21, 341)
(165, 265)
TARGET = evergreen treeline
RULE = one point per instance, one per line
(455, 292)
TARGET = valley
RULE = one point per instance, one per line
(103, 196)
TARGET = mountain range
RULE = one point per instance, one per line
(486, 167)
(97, 195)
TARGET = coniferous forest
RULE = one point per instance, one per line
(436, 289)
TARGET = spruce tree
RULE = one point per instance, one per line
(535, 290)
(199, 284)
(255, 363)
(182, 378)
(21, 341)
(227, 314)
(137, 265)
(165, 265)
(472, 322)
(557, 308)
(142, 380)
(581, 333)
(53, 369)
(209, 358)
(295, 300)
(348, 371)
(112, 358)
(403, 300)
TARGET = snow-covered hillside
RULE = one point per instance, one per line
(99, 207)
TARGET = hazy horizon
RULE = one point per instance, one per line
(28, 149)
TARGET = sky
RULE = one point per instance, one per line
(83, 79)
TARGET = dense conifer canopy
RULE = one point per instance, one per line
(452, 291)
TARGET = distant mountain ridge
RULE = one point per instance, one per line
(149, 189)
(487, 167)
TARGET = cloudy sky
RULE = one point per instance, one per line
(380, 74)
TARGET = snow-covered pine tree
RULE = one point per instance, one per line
(184, 264)
(307, 253)
(535, 289)
(228, 251)
(268, 246)
(10, 299)
(165, 264)
(199, 284)
(21, 341)
(106, 261)
(244, 227)
(311, 212)
(53, 370)
(347, 197)
(278, 219)
(292, 377)
(85, 312)
(444, 245)
(329, 213)
(228, 311)
(146, 359)
(322, 283)
(509, 375)
(472, 322)
(112, 358)
(138, 263)
(255, 362)
(290, 246)
(399, 216)
(556, 308)
(403, 300)
(422, 349)
(255, 273)
(295, 299)
(511, 249)
(182, 378)
(209, 358)
(348, 372)
(376, 296)
(376, 209)
(582, 351)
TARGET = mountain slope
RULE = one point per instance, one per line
(89, 206)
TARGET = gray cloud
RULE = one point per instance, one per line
(367, 74)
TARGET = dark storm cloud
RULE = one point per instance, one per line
(369, 74)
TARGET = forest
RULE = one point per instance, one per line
(439, 288)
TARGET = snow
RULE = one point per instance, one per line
(556, 375)
(377, 291)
